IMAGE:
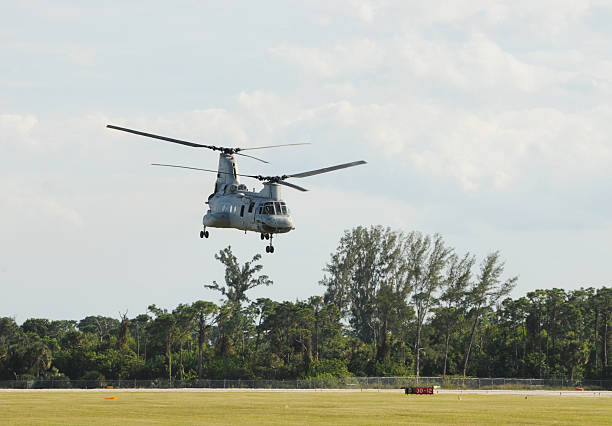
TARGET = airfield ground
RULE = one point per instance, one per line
(328, 407)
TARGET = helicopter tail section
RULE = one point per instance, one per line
(216, 220)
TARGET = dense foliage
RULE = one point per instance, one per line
(394, 304)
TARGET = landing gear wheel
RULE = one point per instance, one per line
(262, 236)
(269, 248)
(267, 236)
(206, 234)
(201, 234)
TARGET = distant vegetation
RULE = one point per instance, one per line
(395, 304)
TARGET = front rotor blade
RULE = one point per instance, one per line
(183, 167)
(282, 182)
(250, 156)
(163, 138)
(328, 169)
(275, 146)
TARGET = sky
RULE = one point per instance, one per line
(488, 122)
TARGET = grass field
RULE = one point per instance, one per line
(297, 408)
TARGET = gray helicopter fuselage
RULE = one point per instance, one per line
(231, 205)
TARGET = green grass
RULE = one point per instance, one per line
(297, 408)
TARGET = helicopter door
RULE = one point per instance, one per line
(245, 218)
(251, 211)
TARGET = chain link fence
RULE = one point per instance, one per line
(315, 383)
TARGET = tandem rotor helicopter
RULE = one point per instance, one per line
(231, 205)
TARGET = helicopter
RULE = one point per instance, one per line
(231, 205)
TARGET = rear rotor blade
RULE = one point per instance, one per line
(282, 182)
(163, 138)
(203, 170)
(327, 169)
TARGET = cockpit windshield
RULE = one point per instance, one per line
(275, 208)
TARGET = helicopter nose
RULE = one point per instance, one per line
(285, 222)
(280, 224)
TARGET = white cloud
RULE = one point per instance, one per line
(357, 56)
(548, 17)
(76, 54)
(366, 9)
(494, 150)
(545, 19)
(477, 63)
(24, 201)
(16, 130)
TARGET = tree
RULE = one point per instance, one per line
(140, 324)
(238, 280)
(204, 315)
(288, 327)
(366, 259)
(39, 326)
(164, 327)
(486, 292)
(124, 332)
(316, 302)
(184, 320)
(426, 259)
(603, 307)
(454, 285)
(102, 326)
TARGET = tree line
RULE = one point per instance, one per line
(395, 304)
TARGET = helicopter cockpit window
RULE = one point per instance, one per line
(275, 208)
(280, 208)
(269, 208)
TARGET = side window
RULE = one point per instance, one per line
(260, 210)
(251, 207)
(242, 211)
